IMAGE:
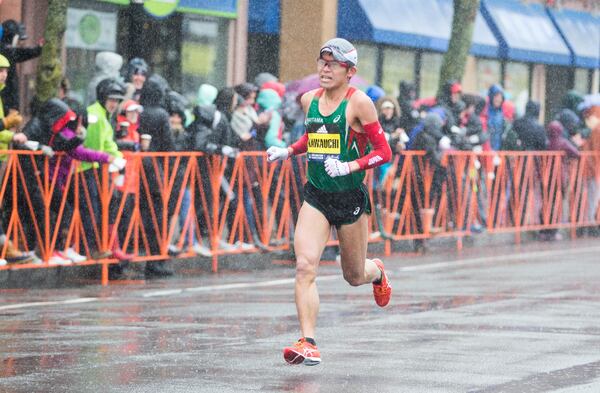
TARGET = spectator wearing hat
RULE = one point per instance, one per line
(570, 121)
(389, 118)
(557, 141)
(128, 142)
(263, 78)
(58, 120)
(375, 92)
(9, 122)
(108, 65)
(530, 132)
(136, 73)
(497, 116)
(100, 136)
(592, 167)
(277, 86)
(13, 33)
(207, 94)
(270, 102)
(409, 116)
(154, 122)
(7, 136)
(127, 135)
(450, 98)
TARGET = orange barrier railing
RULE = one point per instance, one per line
(244, 205)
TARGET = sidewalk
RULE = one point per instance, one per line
(74, 276)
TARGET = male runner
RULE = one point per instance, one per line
(341, 121)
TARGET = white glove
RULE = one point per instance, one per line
(445, 143)
(32, 145)
(119, 181)
(117, 165)
(457, 130)
(496, 160)
(275, 153)
(404, 138)
(229, 151)
(47, 151)
(336, 168)
(474, 138)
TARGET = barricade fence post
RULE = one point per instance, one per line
(244, 204)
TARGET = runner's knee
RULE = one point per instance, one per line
(306, 268)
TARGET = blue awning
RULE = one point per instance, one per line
(225, 8)
(525, 32)
(264, 16)
(582, 33)
(424, 24)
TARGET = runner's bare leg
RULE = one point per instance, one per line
(310, 238)
(357, 269)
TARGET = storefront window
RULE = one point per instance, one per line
(431, 63)
(203, 53)
(516, 85)
(581, 81)
(367, 62)
(91, 28)
(398, 65)
(488, 73)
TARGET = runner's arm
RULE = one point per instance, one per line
(366, 114)
(301, 145)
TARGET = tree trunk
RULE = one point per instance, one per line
(455, 59)
(49, 71)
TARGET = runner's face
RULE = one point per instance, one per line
(333, 73)
(3, 74)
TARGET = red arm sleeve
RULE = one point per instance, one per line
(301, 145)
(381, 153)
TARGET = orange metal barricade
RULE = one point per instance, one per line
(245, 205)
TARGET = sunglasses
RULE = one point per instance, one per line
(332, 64)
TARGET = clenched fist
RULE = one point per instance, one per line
(335, 168)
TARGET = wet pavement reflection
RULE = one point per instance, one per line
(500, 323)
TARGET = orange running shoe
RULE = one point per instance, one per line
(382, 291)
(302, 352)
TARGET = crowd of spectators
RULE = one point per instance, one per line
(129, 108)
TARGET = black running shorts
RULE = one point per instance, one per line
(339, 208)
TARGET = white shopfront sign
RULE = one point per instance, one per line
(92, 30)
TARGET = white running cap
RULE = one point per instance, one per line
(341, 50)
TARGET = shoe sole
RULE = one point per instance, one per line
(294, 358)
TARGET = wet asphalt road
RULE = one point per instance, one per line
(487, 320)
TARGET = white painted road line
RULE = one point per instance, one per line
(270, 283)
(213, 288)
(166, 292)
(42, 304)
(498, 258)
